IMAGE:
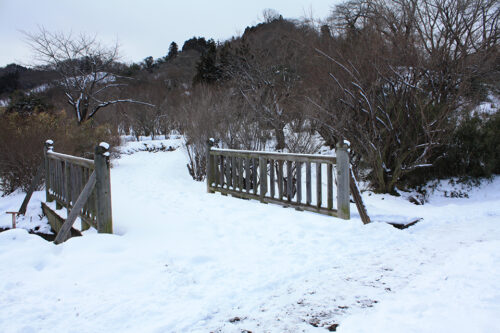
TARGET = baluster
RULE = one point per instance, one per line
(298, 165)
(318, 184)
(329, 173)
(271, 176)
(308, 183)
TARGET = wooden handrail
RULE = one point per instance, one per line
(86, 163)
(256, 174)
(275, 155)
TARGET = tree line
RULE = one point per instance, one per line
(400, 80)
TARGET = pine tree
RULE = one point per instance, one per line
(173, 51)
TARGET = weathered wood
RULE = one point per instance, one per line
(289, 177)
(86, 163)
(343, 176)
(56, 221)
(356, 194)
(271, 177)
(34, 184)
(247, 174)
(234, 179)
(221, 172)
(298, 166)
(308, 183)
(209, 172)
(247, 170)
(274, 155)
(329, 190)
(319, 184)
(280, 180)
(103, 189)
(67, 185)
(62, 235)
(58, 182)
(310, 208)
(240, 174)
(228, 171)
(255, 166)
(216, 161)
(263, 176)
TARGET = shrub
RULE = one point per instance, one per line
(22, 138)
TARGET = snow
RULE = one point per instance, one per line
(104, 145)
(490, 106)
(183, 260)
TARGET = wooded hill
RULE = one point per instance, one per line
(401, 81)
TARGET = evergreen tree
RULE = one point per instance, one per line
(173, 51)
(207, 70)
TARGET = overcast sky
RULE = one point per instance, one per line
(141, 27)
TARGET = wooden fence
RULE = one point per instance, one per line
(80, 185)
(285, 179)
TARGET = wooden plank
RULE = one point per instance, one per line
(289, 180)
(271, 177)
(329, 173)
(247, 174)
(263, 176)
(221, 173)
(280, 180)
(216, 161)
(56, 221)
(255, 165)
(71, 159)
(228, 171)
(62, 235)
(234, 180)
(58, 190)
(103, 189)
(67, 185)
(274, 155)
(308, 183)
(48, 147)
(321, 210)
(358, 199)
(343, 175)
(298, 166)
(240, 174)
(318, 184)
(209, 166)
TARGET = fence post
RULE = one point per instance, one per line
(103, 189)
(343, 175)
(210, 166)
(49, 146)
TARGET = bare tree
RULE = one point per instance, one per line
(85, 67)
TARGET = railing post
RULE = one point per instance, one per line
(103, 189)
(49, 146)
(210, 166)
(343, 176)
(263, 177)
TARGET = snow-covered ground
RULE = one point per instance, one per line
(183, 260)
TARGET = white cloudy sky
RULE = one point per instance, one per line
(142, 28)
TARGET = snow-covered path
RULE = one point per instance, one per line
(188, 261)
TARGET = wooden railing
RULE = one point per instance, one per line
(80, 185)
(285, 179)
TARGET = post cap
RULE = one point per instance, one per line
(49, 144)
(102, 149)
(343, 144)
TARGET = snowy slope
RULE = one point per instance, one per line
(183, 260)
